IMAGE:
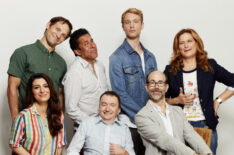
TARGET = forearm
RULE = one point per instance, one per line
(12, 94)
(226, 95)
(173, 101)
(59, 151)
(20, 151)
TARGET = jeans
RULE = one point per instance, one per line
(214, 138)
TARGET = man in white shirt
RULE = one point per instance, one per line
(163, 127)
(85, 79)
(104, 134)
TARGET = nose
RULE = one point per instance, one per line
(131, 24)
(42, 89)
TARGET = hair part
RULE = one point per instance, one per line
(74, 43)
(201, 56)
(54, 111)
(111, 93)
(54, 20)
(133, 11)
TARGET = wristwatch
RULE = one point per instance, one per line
(219, 100)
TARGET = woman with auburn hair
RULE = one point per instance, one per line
(39, 127)
(192, 76)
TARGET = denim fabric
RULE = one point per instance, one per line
(214, 138)
(128, 79)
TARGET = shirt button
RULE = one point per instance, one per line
(49, 69)
(204, 109)
(201, 100)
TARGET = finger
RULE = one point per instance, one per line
(181, 90)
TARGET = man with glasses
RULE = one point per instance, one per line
(128, 66)
(164, 128)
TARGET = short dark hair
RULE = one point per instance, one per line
(54, 20)
(147, 77)
(111, 93)
(74, 44)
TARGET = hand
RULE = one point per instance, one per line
(117, 150)
(216, 107)
(185, 99)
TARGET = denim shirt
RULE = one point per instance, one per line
(128, 79)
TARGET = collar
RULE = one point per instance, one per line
(158, 107)
(130, 50)
(99, 120)
(33, 109)
(83, 62)
(43, 48)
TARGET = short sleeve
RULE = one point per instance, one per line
(62, 134)
(18, 131)
(17, 63)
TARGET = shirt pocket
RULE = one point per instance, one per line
(131, 73)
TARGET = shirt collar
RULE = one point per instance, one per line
(83, 62)
(99, 120)
(43, 48)
(130, 50)
(159, 108)
(34, 110)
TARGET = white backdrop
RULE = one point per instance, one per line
(24, 21)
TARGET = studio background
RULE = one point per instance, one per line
(24, 21)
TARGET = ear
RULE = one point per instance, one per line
(77, 52)
(48, 25)
(119, 110)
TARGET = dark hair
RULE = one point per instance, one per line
(111, 93)
(74, 44)
(54, 111)
(54, 20)
(147, 77)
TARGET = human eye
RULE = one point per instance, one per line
(181, 42)
(35, 87)
(152, 83)
(127, 22)
(160, 83)
(136, 21)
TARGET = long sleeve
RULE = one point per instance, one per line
(73, 91)
(117, 79)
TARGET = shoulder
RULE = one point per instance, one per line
(144, 111)
(23, 50)
(75, 66)
(119, 52)
(59, 58)
(212, 62)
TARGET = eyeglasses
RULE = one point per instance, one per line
(153, 83)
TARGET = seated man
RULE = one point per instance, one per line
(103, 134)
(163, 127)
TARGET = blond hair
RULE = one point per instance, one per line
(134, 11)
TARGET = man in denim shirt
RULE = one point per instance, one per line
(129, 65)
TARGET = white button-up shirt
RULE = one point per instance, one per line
(165, 118)
(83, 88)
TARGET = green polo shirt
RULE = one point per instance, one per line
(35, 58)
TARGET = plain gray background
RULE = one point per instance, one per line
(24, 21)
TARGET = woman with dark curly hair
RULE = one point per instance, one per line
(192, 76)
(39, 127)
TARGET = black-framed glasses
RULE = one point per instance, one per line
(153, 83)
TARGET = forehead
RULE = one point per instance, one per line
(39, 81)
(185, 36)
(84, 38)
(156, 76)
(109, 99)
(62, 25)
(131, 16)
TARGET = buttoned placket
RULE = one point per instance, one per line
(107, 140)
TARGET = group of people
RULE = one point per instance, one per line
(147, 112)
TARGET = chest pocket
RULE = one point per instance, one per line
(131, 73)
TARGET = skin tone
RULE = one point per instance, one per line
(88, 49)
(132, 26)
(41, 93)
(108, 110)
(53, 36)
(188, 49)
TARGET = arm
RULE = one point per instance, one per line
(61, 98)
(73, 91)
(61, 137)
(157, 136)
(78, 140)
(129, 106)
(224, 96)
(12, 93)
(19, 150)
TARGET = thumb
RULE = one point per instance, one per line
(181, 90)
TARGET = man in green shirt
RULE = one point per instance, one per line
(38, 57)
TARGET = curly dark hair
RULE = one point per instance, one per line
(54, 110)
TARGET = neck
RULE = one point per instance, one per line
(135, 44)
(189, 64)
(45, 43)
(42, 108)
(162, 104)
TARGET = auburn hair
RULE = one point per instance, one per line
(201, 56)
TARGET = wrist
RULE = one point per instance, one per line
(219, 100)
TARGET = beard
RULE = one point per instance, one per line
(156, 97)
